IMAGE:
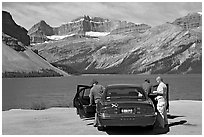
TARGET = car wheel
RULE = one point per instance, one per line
(81, 115)
(101, 128)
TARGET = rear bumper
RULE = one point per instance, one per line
(125, 120)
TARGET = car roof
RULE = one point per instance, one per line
(123, 85)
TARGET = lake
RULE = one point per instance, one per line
(60, 91)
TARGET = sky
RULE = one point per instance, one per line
(26, 14)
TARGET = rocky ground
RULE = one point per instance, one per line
(185, 118)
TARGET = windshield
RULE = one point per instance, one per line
(125, 93)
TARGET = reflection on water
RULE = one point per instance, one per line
(24, 92)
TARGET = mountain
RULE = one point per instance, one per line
(39, 32)
(17, 59)
(192, 20)
(10, 28)
(81, 26)
(167, 48)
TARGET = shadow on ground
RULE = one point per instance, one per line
(181, 122)
(169, 116)
(139, 130)
(136, 131)
(90, 118)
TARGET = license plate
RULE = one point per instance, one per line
(127, 110)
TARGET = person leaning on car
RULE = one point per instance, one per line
(95, 95)
(162, 101)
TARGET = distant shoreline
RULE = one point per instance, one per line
(21, 75)
(73, 106)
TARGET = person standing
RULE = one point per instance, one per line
(162, 101)
(147, 86)
(95, 95)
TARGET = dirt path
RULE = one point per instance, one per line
(185, 118)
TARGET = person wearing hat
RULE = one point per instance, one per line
(162, 102)
(95, 95)
(147, 86)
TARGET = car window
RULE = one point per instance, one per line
(125, 92)
(86, 92)
(81, 93)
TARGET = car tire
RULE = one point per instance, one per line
(81, 114)
(101, 128)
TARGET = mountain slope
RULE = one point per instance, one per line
(10, 28)
(17, 59)
(167, 48)
(192, 20)
(26, 61)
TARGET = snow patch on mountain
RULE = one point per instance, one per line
(99, 22)
(104, 47)
(97, 34)
(57, 37)
(199, 13)
(82, 19)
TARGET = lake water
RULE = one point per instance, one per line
(59, 91)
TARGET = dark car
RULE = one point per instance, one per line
(120, 105)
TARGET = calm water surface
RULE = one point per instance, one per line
(25, 92)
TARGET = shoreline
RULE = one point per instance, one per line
(104, 75)
(74, 107)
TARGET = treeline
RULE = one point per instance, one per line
(41, 73)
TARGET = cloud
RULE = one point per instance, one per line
(27, 14)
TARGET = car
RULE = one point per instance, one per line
(120, 105)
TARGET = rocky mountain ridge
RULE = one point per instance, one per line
(82, 25)
(192, 20)
(170, 48)
(39, 32)
(167, 48)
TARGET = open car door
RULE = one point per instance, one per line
(81, 101)
(152, 96)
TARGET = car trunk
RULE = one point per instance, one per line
(128, 107)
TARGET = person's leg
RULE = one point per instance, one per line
(165, 117)
(96, 118)
(161, 108)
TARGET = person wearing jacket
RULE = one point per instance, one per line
(95, 95)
